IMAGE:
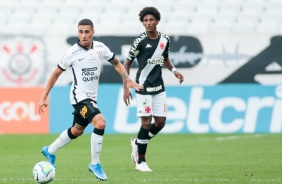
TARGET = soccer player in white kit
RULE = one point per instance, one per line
(85, 61)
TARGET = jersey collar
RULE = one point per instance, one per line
(84, 47)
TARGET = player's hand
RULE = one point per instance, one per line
(127, 96)
(42, 104)
(179, 76)
(133, 84)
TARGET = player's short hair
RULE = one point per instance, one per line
(149, 10)
(85, 22)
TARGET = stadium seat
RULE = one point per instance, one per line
(196, 15)
(268, 27)
(231, 7)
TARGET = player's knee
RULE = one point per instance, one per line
(72, 134)
(100, 125)
(160, 124)
(77, 130)
(146, 122)
(99, 122)
(78, 133)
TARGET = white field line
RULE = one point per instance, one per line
(3, 180)
(231, 137)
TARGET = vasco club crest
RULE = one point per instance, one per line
(23, 61)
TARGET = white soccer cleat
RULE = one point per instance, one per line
(134, 153)
(143, 167)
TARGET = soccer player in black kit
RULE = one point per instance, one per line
(151, 49)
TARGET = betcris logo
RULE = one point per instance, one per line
(212, 109)
(225, 108)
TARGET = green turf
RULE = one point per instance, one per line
(209, 159)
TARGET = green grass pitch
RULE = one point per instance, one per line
(174, 158)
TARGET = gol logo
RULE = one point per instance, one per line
(18, 111)
(83, 111)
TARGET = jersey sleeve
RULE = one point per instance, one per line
(134, 49)
(66, 61)
(107, 53)
(166, 52)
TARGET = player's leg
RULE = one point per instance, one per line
(144, 110)
(159, 110)
(65, 137)
(159, 114)
(99, 124)
(142, 143)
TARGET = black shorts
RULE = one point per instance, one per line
(85, 111)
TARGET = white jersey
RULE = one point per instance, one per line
(86, 68)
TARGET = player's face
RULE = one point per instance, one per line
(85, 34)
(150, 23)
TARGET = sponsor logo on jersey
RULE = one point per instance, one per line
(89, 69)
(148, 46)
(159, 61)
(136, 42)
(83, 111)
(154, 89)
(88, 74)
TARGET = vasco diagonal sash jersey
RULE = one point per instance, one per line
(86, 67)
(150, 55)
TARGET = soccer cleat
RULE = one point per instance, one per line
(134, 152)
(143, 167)
(51, 158)
(97, 170)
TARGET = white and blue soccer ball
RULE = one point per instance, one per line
(43, 172)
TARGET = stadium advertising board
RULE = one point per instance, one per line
(225, 108)
(203, 59)
(19, 112)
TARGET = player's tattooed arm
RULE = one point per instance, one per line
(119, 68)
(126, 79)
(125, 75)
(114, 62)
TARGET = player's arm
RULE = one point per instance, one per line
(121, 70)
(51, 82)
(170, 66)
(127, 65)
(127, 93)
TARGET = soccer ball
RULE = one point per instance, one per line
(43, 172)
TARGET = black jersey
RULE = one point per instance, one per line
(150, 55)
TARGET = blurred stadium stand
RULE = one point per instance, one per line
(120, 17)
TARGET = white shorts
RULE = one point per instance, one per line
(155, 105)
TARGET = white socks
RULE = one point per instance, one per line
(61, 141)
(64, 139)
(96, 146)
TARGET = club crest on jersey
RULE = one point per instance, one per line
(83, 111)
(162, 45)
(147, 109)
(100, 56)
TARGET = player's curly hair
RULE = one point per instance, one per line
(149, 10)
